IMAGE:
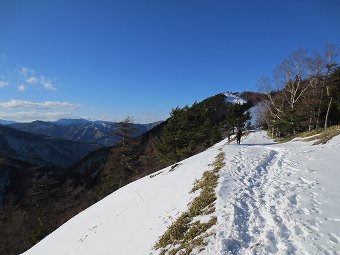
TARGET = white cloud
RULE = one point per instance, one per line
(26, 71)
(47, 83)
(32, 80)
(28, 116)
(21, 88)
(3, 84)
(16, 104)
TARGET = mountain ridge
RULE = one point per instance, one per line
(80, 130)
(40, 149)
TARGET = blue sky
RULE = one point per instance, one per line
(109, 59)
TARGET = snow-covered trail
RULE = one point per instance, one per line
(267, 200)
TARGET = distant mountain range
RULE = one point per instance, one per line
(80, 130)
(40, 149)
(6, 122)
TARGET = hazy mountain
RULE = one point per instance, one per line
(99, 132)
(40, 149)
(6, 122)
(72, 121)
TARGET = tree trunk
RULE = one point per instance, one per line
(310, 124)
(329, 107)
(319, 110)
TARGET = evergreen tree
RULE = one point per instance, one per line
(193, 129)
(333, 85)
(125, 130)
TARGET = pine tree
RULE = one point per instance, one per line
(192, 129)
(125, 130)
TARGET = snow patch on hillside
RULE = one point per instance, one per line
(255, 113)
(234, 98)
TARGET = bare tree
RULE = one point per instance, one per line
(331, 54)
(272, 107)
(296, 96)
(290, 73)
(302, 77)
(314, 98)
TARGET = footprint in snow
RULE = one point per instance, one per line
(272, 242)
(293, 200)
(299, 231)
(334, 238)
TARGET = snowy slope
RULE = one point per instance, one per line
(129, 220)
(271, 199)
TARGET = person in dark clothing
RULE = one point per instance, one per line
(238, 136)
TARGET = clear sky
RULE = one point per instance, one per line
(109, 59)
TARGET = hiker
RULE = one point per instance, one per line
(238, 136)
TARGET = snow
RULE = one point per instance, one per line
(234, 98)
(271, 199)
(255, 113)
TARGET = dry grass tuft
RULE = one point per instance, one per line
(325, 135)
(320, 136)
(184, 235)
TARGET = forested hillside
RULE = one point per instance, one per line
(35, 200)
